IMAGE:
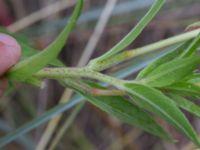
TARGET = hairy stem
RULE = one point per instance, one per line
(59, 73)
(123, 56)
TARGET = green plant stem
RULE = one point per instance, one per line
(59, 73)
(78, 85)
(123, 56)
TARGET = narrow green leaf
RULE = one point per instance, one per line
(94, 84)
(184, 89)
(154, 101)
(27, 50)
(194, 78)
(163, 59)
(128, 113)
(26, 68)
(191, 48)
(171, 72)
(186, 104)
(134, 33)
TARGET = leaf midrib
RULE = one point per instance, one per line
(165, 113)
(151, 78)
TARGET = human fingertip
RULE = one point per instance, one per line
(10, 52)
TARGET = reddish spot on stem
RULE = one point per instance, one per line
(191, 28)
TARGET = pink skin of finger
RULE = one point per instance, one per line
(10, 52)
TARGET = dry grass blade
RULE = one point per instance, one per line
(40, 14)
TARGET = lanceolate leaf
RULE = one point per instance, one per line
(194, 78)
(163, 59)
(184, 88)
(128, 113)
(186, 104)
(154, 101)
(171, 72)
(132, 35)
(28, 51)
(184, 50)
(26, 68)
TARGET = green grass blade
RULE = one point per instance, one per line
(128, 113)
(24, 141)
(38, 121)
(165, 58)
(171, 72)
(134, 33)
(154, 101)
(26, 68)
(186, 104)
